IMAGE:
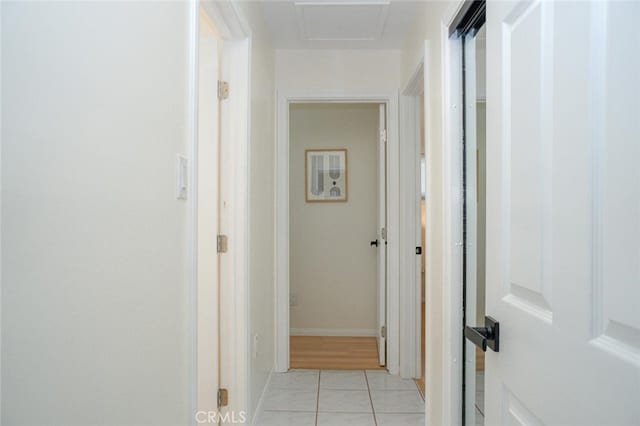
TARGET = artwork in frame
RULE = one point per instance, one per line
(326, 175)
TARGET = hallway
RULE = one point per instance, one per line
(196, 195)
(335, 398)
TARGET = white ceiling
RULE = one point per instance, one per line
(339, 24)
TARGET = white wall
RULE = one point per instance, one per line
(338, 69)
(95, 297)
(261, 204)
(430, 19)
(332, 266)
(95, 293)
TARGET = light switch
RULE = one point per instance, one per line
(182, 178)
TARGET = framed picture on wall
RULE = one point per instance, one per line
(326, 175)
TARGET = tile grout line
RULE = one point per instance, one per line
(424, 399)
(318, 399)
(373, 410)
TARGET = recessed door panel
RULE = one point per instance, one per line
(527, 121)
(617, 189)
(516, 413)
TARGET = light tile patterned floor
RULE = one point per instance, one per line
(341, 398)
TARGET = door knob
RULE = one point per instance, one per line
(374, 243)
(489, 335)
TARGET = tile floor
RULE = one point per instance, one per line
(341, 398)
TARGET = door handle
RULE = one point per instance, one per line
(374, 243)
(487, 336)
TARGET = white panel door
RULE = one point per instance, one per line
(382, 235)
(563, 212)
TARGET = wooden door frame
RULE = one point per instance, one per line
(285, 99)
(234, 138)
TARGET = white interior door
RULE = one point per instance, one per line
(382, 235)
(563, 212)
(207, 216)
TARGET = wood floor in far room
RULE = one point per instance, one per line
(334, 353)
(420, 381)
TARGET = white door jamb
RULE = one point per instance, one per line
(234, 335)
(411, 228)
(285, 98)
(452, 199)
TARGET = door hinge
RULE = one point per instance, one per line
(383, 135)
(223, 397)
(222, 243)
(383, 332)
(419, 250)
(223, 90)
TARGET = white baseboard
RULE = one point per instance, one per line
(261, 400)
(341, 332)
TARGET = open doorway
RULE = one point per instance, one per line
(337, 221)
(318, 235)
(415, 229)
(386, 327)
(423, 233)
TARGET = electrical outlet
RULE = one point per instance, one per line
(293, 299)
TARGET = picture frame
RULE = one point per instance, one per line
(326, 175)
